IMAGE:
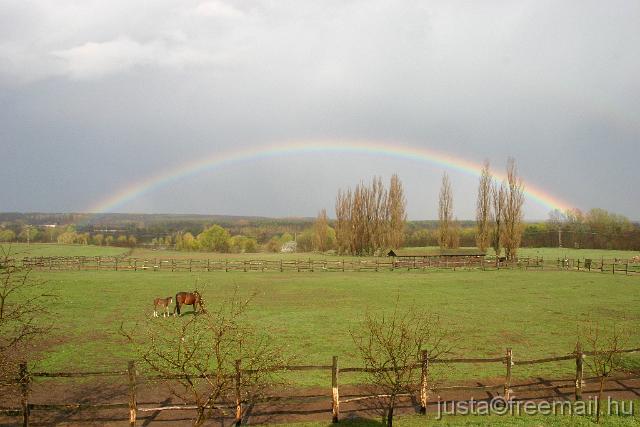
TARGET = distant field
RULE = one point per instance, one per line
(150, 253)
(54, 249)
(310, 314)
(553, 253)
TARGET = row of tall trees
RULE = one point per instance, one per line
(499, 211)
(370, 217)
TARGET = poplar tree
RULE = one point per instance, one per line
(483, 209)
(445, 213)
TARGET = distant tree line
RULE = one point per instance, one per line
(596, 229)
(369, 218)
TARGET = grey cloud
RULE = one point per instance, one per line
(131, 88)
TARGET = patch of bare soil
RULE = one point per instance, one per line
(309, 404)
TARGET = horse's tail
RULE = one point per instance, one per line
(178, 304)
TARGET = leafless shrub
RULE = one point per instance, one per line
(603, 342)
(197, 358)
(24, 313)
(390, 346)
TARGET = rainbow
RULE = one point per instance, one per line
(217, 160)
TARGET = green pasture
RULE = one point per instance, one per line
(554, 253)
(145, 253)
(54, 249)
(310, 314)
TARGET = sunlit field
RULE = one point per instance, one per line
(311, 314)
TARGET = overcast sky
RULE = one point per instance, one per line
(96, 95)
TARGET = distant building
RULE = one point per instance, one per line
(289, 247)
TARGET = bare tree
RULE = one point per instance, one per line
(363, 218)
(344, 228)
(454, 234)
(603, 345)
(198, 359)
(483, 208)
(397, 206)
(498, 201)
(391, 347)
(513, 213)
(24, 317)
(321, 231)
(445, 213)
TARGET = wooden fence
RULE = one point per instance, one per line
(238, 406)
(602, 265)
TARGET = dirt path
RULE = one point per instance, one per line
(312, 404)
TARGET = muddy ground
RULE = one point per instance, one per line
(312, 404)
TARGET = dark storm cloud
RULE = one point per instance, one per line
(96, 95)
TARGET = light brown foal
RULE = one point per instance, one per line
(164, 303)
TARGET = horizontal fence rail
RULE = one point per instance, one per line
(58, 263)
(426, 386)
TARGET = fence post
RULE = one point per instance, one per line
(579, 371)
(578, 264)
(626, 270)
(133, 405)
(25, 381)
(507, 382)
(237, 384)
(613, 267)
(424, 387)
(335, 402)
(601, 264)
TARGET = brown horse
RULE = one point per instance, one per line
(164, 303)
(189, 298)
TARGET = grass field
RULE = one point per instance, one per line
(310, 314)
(53, 249)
